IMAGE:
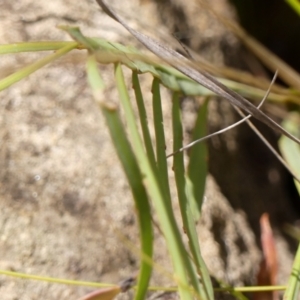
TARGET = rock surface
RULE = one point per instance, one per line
(63, 194)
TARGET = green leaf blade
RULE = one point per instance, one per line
(165, 215)
(292, 291)
(143, 119)
(162, 166)
(32, 47)
(26, 71)
(134, 177)
(204, 290)
(290, 150)
(197, 167)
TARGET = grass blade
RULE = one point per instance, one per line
(197, 167)
(295, 5)
(290, 150)
(160, 142)
(32, 47)
(110, 52)
(205, 292)
(54, 280)
(292, 291)
(26, 71)
(143, 119)
(165, 215)
(202, 77)
(133, 175)
(286, 73)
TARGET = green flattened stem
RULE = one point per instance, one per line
(133, 174)
(197, 167)
(109, 52)
(160, 142)
(295, 5)
(32, 47)
(289, 149)
(292, 291)
(143, 119)
(165, 215)
(77, 36)
(291, 152)
(26, 71)
(205, 290)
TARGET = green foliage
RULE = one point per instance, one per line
(146, 169)
(292, 291)
(295, 5)
(153, 174)
(289, 150)
(291, 153)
